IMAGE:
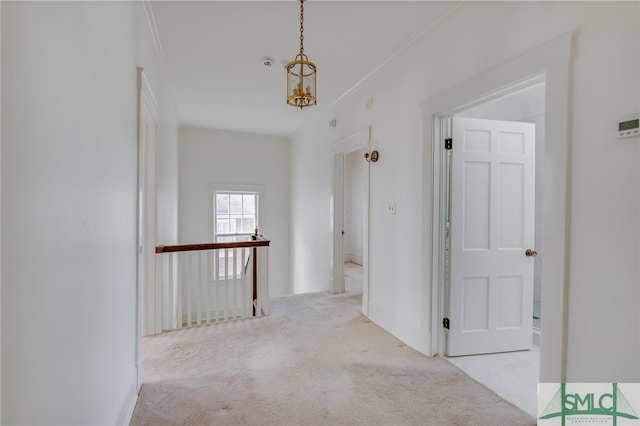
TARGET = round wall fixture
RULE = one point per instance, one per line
(267, 62)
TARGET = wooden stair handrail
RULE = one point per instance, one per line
(260, 242)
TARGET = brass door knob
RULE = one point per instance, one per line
(531, 253)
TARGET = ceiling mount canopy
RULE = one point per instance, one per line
(301, 74)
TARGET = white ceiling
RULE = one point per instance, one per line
(214, 50)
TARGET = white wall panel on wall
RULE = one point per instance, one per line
(69, 173)
(310, 167)
(605, 205)
(220, 157)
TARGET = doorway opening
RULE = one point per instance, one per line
(350, 214)
(148, 293)
(354, 211)
(513, 375)
(550, 63)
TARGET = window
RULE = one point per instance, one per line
(235, 218)
(235, 214)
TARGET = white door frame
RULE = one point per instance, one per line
(550, 63)
(339, 149)
(146, 223)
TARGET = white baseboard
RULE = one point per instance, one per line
(406, 331)
(232, 314)
(124, 418)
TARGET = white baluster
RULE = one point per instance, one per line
(235, 283)
(188, 285)
(180, 288)
(243, 284)
(158, 299)
(170, 306)
(226, 284)
(199, 287)
(207, 284)
(216, 254)
(265, 280)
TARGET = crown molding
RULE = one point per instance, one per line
(153, 28)
(371, 75)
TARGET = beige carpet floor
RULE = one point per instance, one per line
(314, 361)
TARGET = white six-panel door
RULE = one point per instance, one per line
(492, 226)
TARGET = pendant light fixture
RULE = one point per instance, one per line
(301, 74)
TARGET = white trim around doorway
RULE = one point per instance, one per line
(550, 63)
(339, 149)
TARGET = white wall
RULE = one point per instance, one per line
(221, 157)
(310, 197)
(354, 206)
(604, 276)
(69, 189)
(0, 219)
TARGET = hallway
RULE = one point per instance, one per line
(315, 360)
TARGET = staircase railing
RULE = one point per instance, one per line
(213, 282)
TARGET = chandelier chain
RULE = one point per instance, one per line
(301, 74)
(301, 26)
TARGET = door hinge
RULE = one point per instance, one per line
(448, 143)
(445, 323)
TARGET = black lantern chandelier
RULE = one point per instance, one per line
(301, 74)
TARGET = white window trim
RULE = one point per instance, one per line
(222, 187)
